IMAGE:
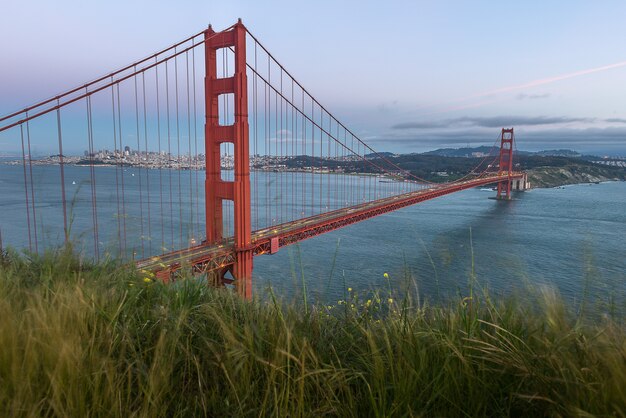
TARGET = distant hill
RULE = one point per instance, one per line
(481, 151)
(379, 154)
(559, 153)
(464, 152)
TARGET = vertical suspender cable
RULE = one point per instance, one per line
(294, 149)
(328, 162)
(160, 160)
(313, 211)
(178, 160)
(283, 150)
(256, 140)
(267, 116)
(321, 157)
(281, 139)
(190, 229)
(277, 213)
(32, 188)
(376, 195)
(142, 237)
(337, 164)
(119, 125)
(346, 164)
(304, 151)
(116, 156)
(169, 153)
(92, 174)
(30, 243)
(369, 187)
(62, 168)
(146, 155)
(195, 136)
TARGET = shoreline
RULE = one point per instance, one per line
(551, 177)
(539, 178)
(252, 169)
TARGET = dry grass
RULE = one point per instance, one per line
(97, 340)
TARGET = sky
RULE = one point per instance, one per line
(406, 76)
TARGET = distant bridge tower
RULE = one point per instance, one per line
(216, 189)
(506, 163)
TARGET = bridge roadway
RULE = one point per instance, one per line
(204, 258)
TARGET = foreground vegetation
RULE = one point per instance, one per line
(105, 340)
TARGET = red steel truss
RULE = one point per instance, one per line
(220, 258)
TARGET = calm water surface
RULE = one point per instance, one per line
(544, 237)
(555, 237)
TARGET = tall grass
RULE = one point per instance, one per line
(104, 340)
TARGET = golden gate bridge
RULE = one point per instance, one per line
(190, 129)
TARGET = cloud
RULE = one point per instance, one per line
(566, 137)
(549, 80)
(523, 96)
(493, 122)
(419, 125)
(500, 121)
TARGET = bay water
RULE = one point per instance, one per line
(570, 238)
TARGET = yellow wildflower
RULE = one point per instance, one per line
(390, 300)
(349, 289)
(386, 275)
(147, 280)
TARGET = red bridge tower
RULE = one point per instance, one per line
(216, 189)
(506, 163)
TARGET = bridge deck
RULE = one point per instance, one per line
(211, 257)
